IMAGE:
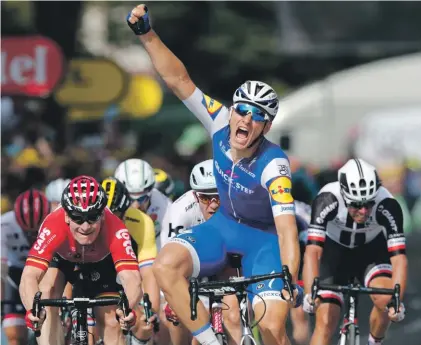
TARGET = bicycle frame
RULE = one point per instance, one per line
(235, 285)
(350, 318)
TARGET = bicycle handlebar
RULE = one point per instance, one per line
(233, 285)
(79, 303)
(357, 289)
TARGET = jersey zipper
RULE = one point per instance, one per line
(230, 184)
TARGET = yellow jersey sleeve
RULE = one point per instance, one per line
(142, 230)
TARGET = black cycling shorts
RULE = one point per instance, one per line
(93, 279)
(341, 265)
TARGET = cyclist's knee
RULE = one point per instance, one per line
(327, 317)
(273, 321)
(232, 318)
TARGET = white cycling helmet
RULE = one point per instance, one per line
(137, 175)
(259, 94)
(358, 181)
(201, 177)
(55, 189)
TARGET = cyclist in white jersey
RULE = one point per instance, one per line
(356, 231)
(139, 178)
(256, 217)
(19, 229)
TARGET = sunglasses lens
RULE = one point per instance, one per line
(359, 205)
(208, 198)
(90, 218)
(247, 109)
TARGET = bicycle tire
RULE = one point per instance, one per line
(352, 335)
(221, 339)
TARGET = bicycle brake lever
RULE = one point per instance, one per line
(193, 290)
(124, 304)
(36, 309)
(314, 290)
(288, 282)
(396, 297)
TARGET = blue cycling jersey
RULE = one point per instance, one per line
(253, 190)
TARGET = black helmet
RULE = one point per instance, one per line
(118, 195)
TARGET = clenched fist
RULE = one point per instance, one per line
(138, 20)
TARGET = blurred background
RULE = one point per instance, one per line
(79, 93)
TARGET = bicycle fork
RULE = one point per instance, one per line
(350, 333)
(247, 335)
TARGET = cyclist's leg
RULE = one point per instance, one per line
(262, 258)
(230, 313)
(201, 250)
(378, 275)
(299, 319)
(14, 326)
(335, 268)
(52, 286)
(301, 330)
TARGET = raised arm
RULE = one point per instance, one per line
(168, 66)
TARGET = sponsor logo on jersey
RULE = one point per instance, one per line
(284, 170)
(287, 208)
(124, 234)
(389, 217)
(226, 176)
(189, 206)
(43, 240)
(212, 106)
(280, 190)
(329, 208)
(246, 171)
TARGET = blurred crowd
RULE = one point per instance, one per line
(31, 157)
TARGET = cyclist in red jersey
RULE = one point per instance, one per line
(86, 240)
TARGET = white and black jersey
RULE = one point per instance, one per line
(330, 217)
(184, 213)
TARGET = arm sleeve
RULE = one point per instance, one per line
(212, 114)
(48, 241)
(147, 250)
(389, 215)
(121, 249)
(323, 210)
(276, 179)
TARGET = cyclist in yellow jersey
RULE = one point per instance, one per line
(142, 231)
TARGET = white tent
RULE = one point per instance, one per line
(319, 117)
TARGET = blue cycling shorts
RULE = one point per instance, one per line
(209, 243)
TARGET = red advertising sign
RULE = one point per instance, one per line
(30, 65)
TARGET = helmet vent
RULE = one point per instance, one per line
(202, 171)
(258, 88)
(248, 84)
(363, 184)
(268, 92)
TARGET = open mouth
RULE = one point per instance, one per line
(242, 133)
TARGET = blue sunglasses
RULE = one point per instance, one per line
(257, 114)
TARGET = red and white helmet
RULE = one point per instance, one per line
(84, 199)
(31, 207)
